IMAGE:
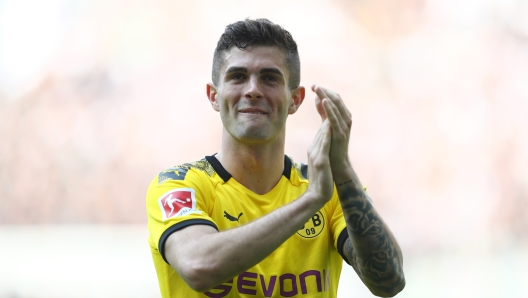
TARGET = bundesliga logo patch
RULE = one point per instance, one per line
(177, 202)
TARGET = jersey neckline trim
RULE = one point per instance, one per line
(224, 174)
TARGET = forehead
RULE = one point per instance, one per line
(255, 58)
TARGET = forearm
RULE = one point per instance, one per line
(371, 248)
(217, 257)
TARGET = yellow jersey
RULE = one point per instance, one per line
(308, 264)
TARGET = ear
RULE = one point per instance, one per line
(211, 95)
(298, 98)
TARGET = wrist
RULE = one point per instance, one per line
(346, 177)
(314, 199)
(342, 170)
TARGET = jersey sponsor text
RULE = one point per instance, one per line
(287, 284)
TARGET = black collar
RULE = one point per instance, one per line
(217, 166)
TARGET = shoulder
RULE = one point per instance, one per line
(198, 176)
(186, 171)
(195, 181)
(299, 171)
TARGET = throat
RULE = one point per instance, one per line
(257, 184)
(257, 167)
(257, 173)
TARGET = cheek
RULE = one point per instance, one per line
(225, 108)
(287, 105)
(229, 97)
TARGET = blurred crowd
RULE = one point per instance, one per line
(97, 97)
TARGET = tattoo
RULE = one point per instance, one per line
(343, 183)
(370, 249)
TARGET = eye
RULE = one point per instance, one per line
(269, 78)
(238, 76)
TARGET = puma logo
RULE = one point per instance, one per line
(230, 217)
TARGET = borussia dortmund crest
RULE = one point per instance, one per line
(313, 227)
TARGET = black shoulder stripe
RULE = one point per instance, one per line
(177, 227)
(287, 167)
(217, 166)
(175, 173)
(340, 242)
(304, 171)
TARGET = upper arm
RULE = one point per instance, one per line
(182, 250)
(182, 244)
(177, 199)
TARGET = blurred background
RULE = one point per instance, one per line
(97, 97)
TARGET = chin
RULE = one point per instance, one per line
(253, 138)
(256, 135)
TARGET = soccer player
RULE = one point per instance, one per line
(249, 221)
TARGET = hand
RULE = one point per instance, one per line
(320, 173)
(331, 108)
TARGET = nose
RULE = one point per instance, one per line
(253, 90)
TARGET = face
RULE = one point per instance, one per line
(253, 96)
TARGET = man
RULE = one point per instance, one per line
(245, 222)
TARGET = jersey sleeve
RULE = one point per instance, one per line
(177, 198)
(337, 223)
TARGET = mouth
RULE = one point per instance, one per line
(253, 111)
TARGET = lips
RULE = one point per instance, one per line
(255, 111)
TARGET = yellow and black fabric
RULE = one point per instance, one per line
(308, 264)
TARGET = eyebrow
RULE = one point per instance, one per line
(264, 70)
(236, 69)
(271, 70)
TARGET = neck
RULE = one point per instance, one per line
(258, 167)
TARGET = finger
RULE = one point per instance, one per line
(340, 110)
(319, 136)
(326, 139)
(337, 100)
(319, 107)
(338, 124)
(326, 133)
(319, 151)
(334, 97)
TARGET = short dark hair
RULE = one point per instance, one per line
(259, 32)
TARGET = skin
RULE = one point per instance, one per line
(371, 248)
(254, 100)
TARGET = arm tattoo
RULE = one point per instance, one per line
(346, 182)
(370, 249)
